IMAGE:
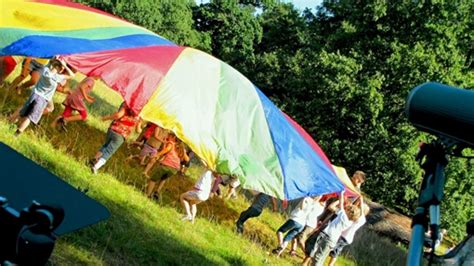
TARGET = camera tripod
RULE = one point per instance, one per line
(433, 160)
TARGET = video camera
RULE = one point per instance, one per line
(27, 236)
(443, 111)
(56, 208)
(447, 113)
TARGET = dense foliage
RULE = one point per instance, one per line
(343, 72)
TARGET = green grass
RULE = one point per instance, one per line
(141, 231)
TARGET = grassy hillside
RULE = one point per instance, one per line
(145, 232)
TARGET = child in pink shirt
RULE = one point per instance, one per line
(75, 102)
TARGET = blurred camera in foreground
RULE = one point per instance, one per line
(443, 111)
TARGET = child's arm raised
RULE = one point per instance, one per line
(341, 200)
(70, 74)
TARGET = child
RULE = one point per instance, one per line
(42, 94)
(260, 201)
(75, 102)
(234, 183)
(184, 157)
(169, 166)
(124, 121)
(152, 144)
(311, 224)
(32, 67)
(144, 136)
(198, 194)
(327, 239)
(347, 235)
(295, 224)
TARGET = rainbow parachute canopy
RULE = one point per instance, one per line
(214, 109)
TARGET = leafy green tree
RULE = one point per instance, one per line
(234, 30)
(396, 47)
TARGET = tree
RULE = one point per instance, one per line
(234, 30)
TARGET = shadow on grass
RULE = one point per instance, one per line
(142, 244)
(369, 248)
(101, 106)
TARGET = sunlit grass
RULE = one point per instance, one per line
(141, 231)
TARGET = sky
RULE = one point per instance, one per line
(300, 4)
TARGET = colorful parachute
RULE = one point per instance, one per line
(214, 109)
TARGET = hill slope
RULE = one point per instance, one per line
(141, 231)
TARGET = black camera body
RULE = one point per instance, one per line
(27, 236)
(443, 111)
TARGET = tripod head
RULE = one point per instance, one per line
(27, 236)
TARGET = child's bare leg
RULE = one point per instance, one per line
(306, 261)
(294, 245)
(73, 118)
(186, 206)
(280, 238)
(161, 184)
(283, 247)
(193, 211)
(302, 245)
(23, 125)
(149, 166)
(55, 122)
(332, 261)
(142, 160)
(14, 117)
(131, 157)
(150, 187)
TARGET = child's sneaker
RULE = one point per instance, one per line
(62, 123)
(186, 218)
(277, 250)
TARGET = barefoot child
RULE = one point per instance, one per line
(198, 194)
(42, 94)
(75, 102)
(124, 121)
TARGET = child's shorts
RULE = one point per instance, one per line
(336, 251)
(148, 150)
(197, 195)
(68, 112)
(163, 172)
(293, 229)
(34, 107)
(303, 235)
